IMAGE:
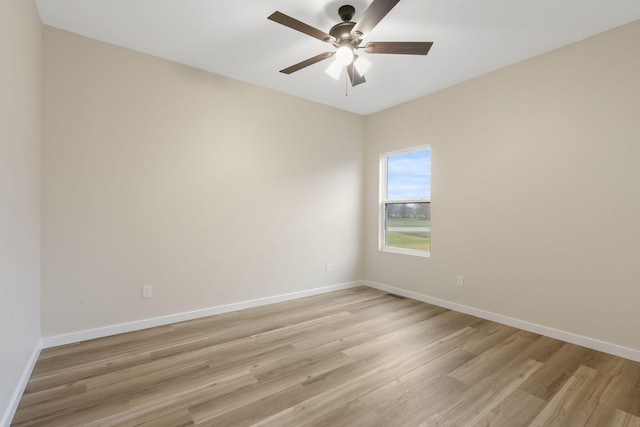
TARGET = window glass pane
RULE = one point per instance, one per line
(408, 225)
(409, 176)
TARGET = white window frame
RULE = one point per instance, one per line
(382, 226)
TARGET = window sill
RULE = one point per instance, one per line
(412, 252)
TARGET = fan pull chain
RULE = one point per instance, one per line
(346, 84)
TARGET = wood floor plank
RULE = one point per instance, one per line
(420, 393)
(179, 418)
(429, 330)
(517, 410)
(491, 360)
(546, 382)
(502, 396)
(555, 412)
(353, 414)
(490, 334)
(619, 384)
(358, 357)
(624, 419)
(71, 374)
(384, 369)
(613, 386)
(270, 404)
(472, 406)
(190, 391)
(96, 346)
(269, 383)
(437, 420)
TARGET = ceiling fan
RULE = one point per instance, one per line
(347, 38)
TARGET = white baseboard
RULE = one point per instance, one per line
(137, 325)
(616, 350)
(9, 413)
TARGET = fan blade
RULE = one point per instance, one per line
(290, 22)
(372, 16)
(307, 62)
(354, 76)
(403, 48)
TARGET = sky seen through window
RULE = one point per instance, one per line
(409, 176)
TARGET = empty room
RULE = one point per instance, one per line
(328, 213)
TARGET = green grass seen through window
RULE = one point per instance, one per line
(417, 241)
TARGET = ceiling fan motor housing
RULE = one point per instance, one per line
(342, 32)
(346, 12)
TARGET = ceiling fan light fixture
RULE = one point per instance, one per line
(347, 37)
(334, 70)
(362, 65)
(344, 55)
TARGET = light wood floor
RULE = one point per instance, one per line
(359, 357)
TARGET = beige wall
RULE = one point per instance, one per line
(20, 125)
(536, 190)
(211, 190)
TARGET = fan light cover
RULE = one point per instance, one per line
(344, 55)
(334, 70)
(362, 65)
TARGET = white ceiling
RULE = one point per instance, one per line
(234, 38)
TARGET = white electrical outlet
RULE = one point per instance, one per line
(146, 291)
(327, 267)
(460, 281)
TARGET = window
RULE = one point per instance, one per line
(405, 201)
